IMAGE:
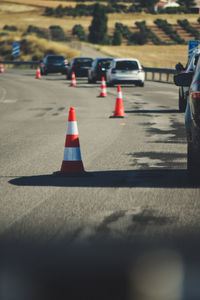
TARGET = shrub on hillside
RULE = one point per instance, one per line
(149, 33)
(49, 11)
(186, 25)
(124, 30)
(40, 32)
(10, 28)
(57, 33)
(167, 28)
(138, 38)
(79, 31)
(117, 38)
(174, 10)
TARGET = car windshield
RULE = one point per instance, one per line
(83, 62)
(127, 65)
(55, 58)
(105, 63)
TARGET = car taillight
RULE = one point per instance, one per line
(140, 70)
(195, 95)
(65, 62)
(113, 71)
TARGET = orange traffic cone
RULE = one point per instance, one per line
(119, 108)
(72, 162)
(103, 92)
(73, 82)
(1, 68)
(38, 75)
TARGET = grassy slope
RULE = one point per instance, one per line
(155, 56)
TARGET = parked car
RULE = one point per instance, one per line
(183, 90)
(192, 117)
(80, 66)
(53, 64)
(99, 68)
(125, 70)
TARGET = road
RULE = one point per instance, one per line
(136, 184)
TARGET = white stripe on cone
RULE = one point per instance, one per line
(119, 95)
(72, 128)
(72, 154)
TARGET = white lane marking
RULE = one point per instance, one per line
(2, 94)
(9, 101)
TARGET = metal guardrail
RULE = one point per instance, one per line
(157, 74)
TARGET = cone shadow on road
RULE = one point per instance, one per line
(163, 178)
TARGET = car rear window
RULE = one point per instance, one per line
(83, 62)
(104, 63)
(127, 65)
(55, 58)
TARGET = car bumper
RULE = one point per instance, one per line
(127, 81)
(60, 69)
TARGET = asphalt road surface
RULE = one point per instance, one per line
(136, 185)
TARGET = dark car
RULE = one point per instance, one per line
(80, 66)
(54, 64)
(99, 68)
(183, 90)
(192, 118)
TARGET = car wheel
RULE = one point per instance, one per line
(89, 80)
(181, 103)
(193, 166)
(141, 84)
(110, 83)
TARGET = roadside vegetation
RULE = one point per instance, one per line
(123, 31)
(32, 47)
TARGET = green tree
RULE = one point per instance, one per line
(80, 32)
(187, 3)
(98, 28)
(148, 4)
(117, 38)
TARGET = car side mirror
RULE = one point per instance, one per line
(183, 79)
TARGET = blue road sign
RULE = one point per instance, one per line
(16, 47)
(192, 45)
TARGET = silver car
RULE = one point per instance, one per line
(125, 70)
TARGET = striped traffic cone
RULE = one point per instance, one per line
(38, 74)
(72, 162)
(103, 92)
(73, 82)
(119, 108)
(1, 68)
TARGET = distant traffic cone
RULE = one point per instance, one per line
(38, 74)
(73, 82)
(103, 92)
(119, 108)
(1, 68)
(72, 162)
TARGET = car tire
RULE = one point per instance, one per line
(193, 167)
(110, 84)
(89, 80)
(141, 84)
(182, 103)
